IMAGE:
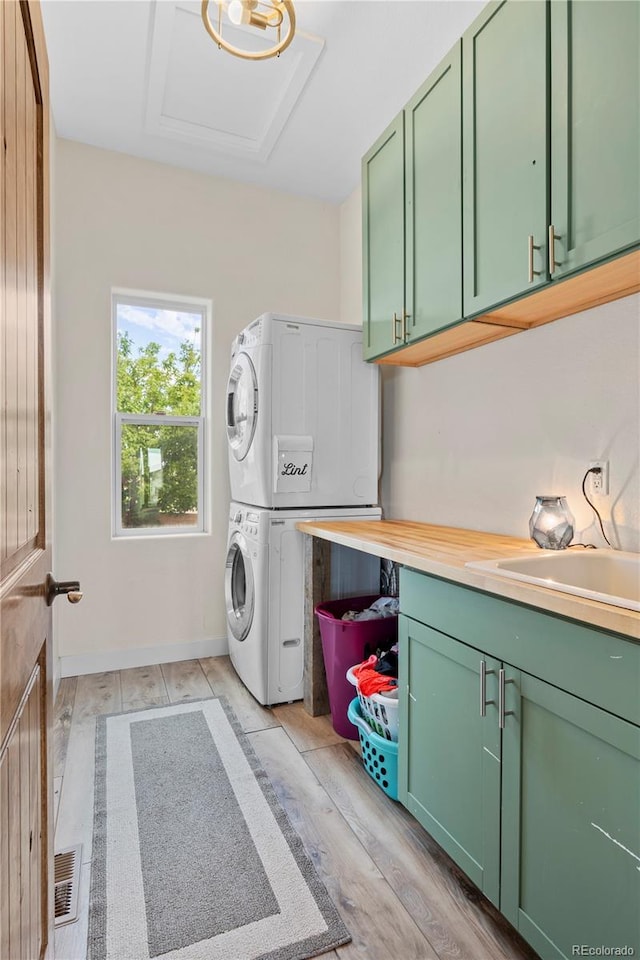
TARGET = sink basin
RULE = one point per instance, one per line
(609, 576)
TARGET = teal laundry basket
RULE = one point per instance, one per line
(380, 756)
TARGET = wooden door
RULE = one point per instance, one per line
(449, 756)
(21, 826)
(433, 221)
(25, 550)
(383, 241)
(505, 165)
(595, 130)
(570, 822)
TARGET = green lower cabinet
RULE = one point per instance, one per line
(449, 757)
(541, 811)
(570, 822)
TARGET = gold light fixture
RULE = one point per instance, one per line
(263, 14)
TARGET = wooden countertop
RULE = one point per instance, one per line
(444, 551)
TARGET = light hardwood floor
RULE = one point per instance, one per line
(399, 894)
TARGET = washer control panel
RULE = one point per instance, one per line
(246, 520)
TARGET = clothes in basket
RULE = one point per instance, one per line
(379, 709)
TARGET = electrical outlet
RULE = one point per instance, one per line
(600, 481)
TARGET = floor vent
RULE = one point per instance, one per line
(66, 876)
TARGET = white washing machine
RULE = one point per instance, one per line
(264, 593)
(303, 415)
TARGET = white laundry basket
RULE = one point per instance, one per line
(379, 710)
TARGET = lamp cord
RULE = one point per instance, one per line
(593, 507)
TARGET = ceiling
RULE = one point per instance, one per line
(143, 77)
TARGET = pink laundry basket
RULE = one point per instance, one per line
(345, 642)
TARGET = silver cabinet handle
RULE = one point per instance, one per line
(394, 328)
(484, 673)
(502, 713)
(553, 263)
(405, 316)
(531, 247)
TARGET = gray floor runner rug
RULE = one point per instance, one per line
(193, 856)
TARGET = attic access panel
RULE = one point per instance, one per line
(201, 95)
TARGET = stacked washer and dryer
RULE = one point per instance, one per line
(303, 427)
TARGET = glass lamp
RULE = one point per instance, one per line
(551, 523)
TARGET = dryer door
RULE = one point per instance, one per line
(242, 406)
(239, 587)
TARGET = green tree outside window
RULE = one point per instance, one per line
(159, 463)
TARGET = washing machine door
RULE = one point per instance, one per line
(242, 406)
(239, 587)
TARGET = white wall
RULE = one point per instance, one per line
(351, 259)
(126, 222)
(469, 441)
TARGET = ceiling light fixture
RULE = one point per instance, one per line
(263, 14)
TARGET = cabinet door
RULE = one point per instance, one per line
(449, 756)
(383, 241)
(570, 822)
(505, 165)
(595, 133)
(433, 183)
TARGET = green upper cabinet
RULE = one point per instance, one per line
(383, 248)
(505, 165)
(516, 165)
(595, 129)
(433, 159)
(412, 209)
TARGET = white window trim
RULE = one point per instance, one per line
(163, 302)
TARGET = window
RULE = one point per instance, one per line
(159, 407)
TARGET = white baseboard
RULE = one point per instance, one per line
(79, 664)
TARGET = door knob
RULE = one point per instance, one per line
(55, 588)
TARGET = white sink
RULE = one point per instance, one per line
(610, 576)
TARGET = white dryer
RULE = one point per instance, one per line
(264, 593)
(303, 415)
